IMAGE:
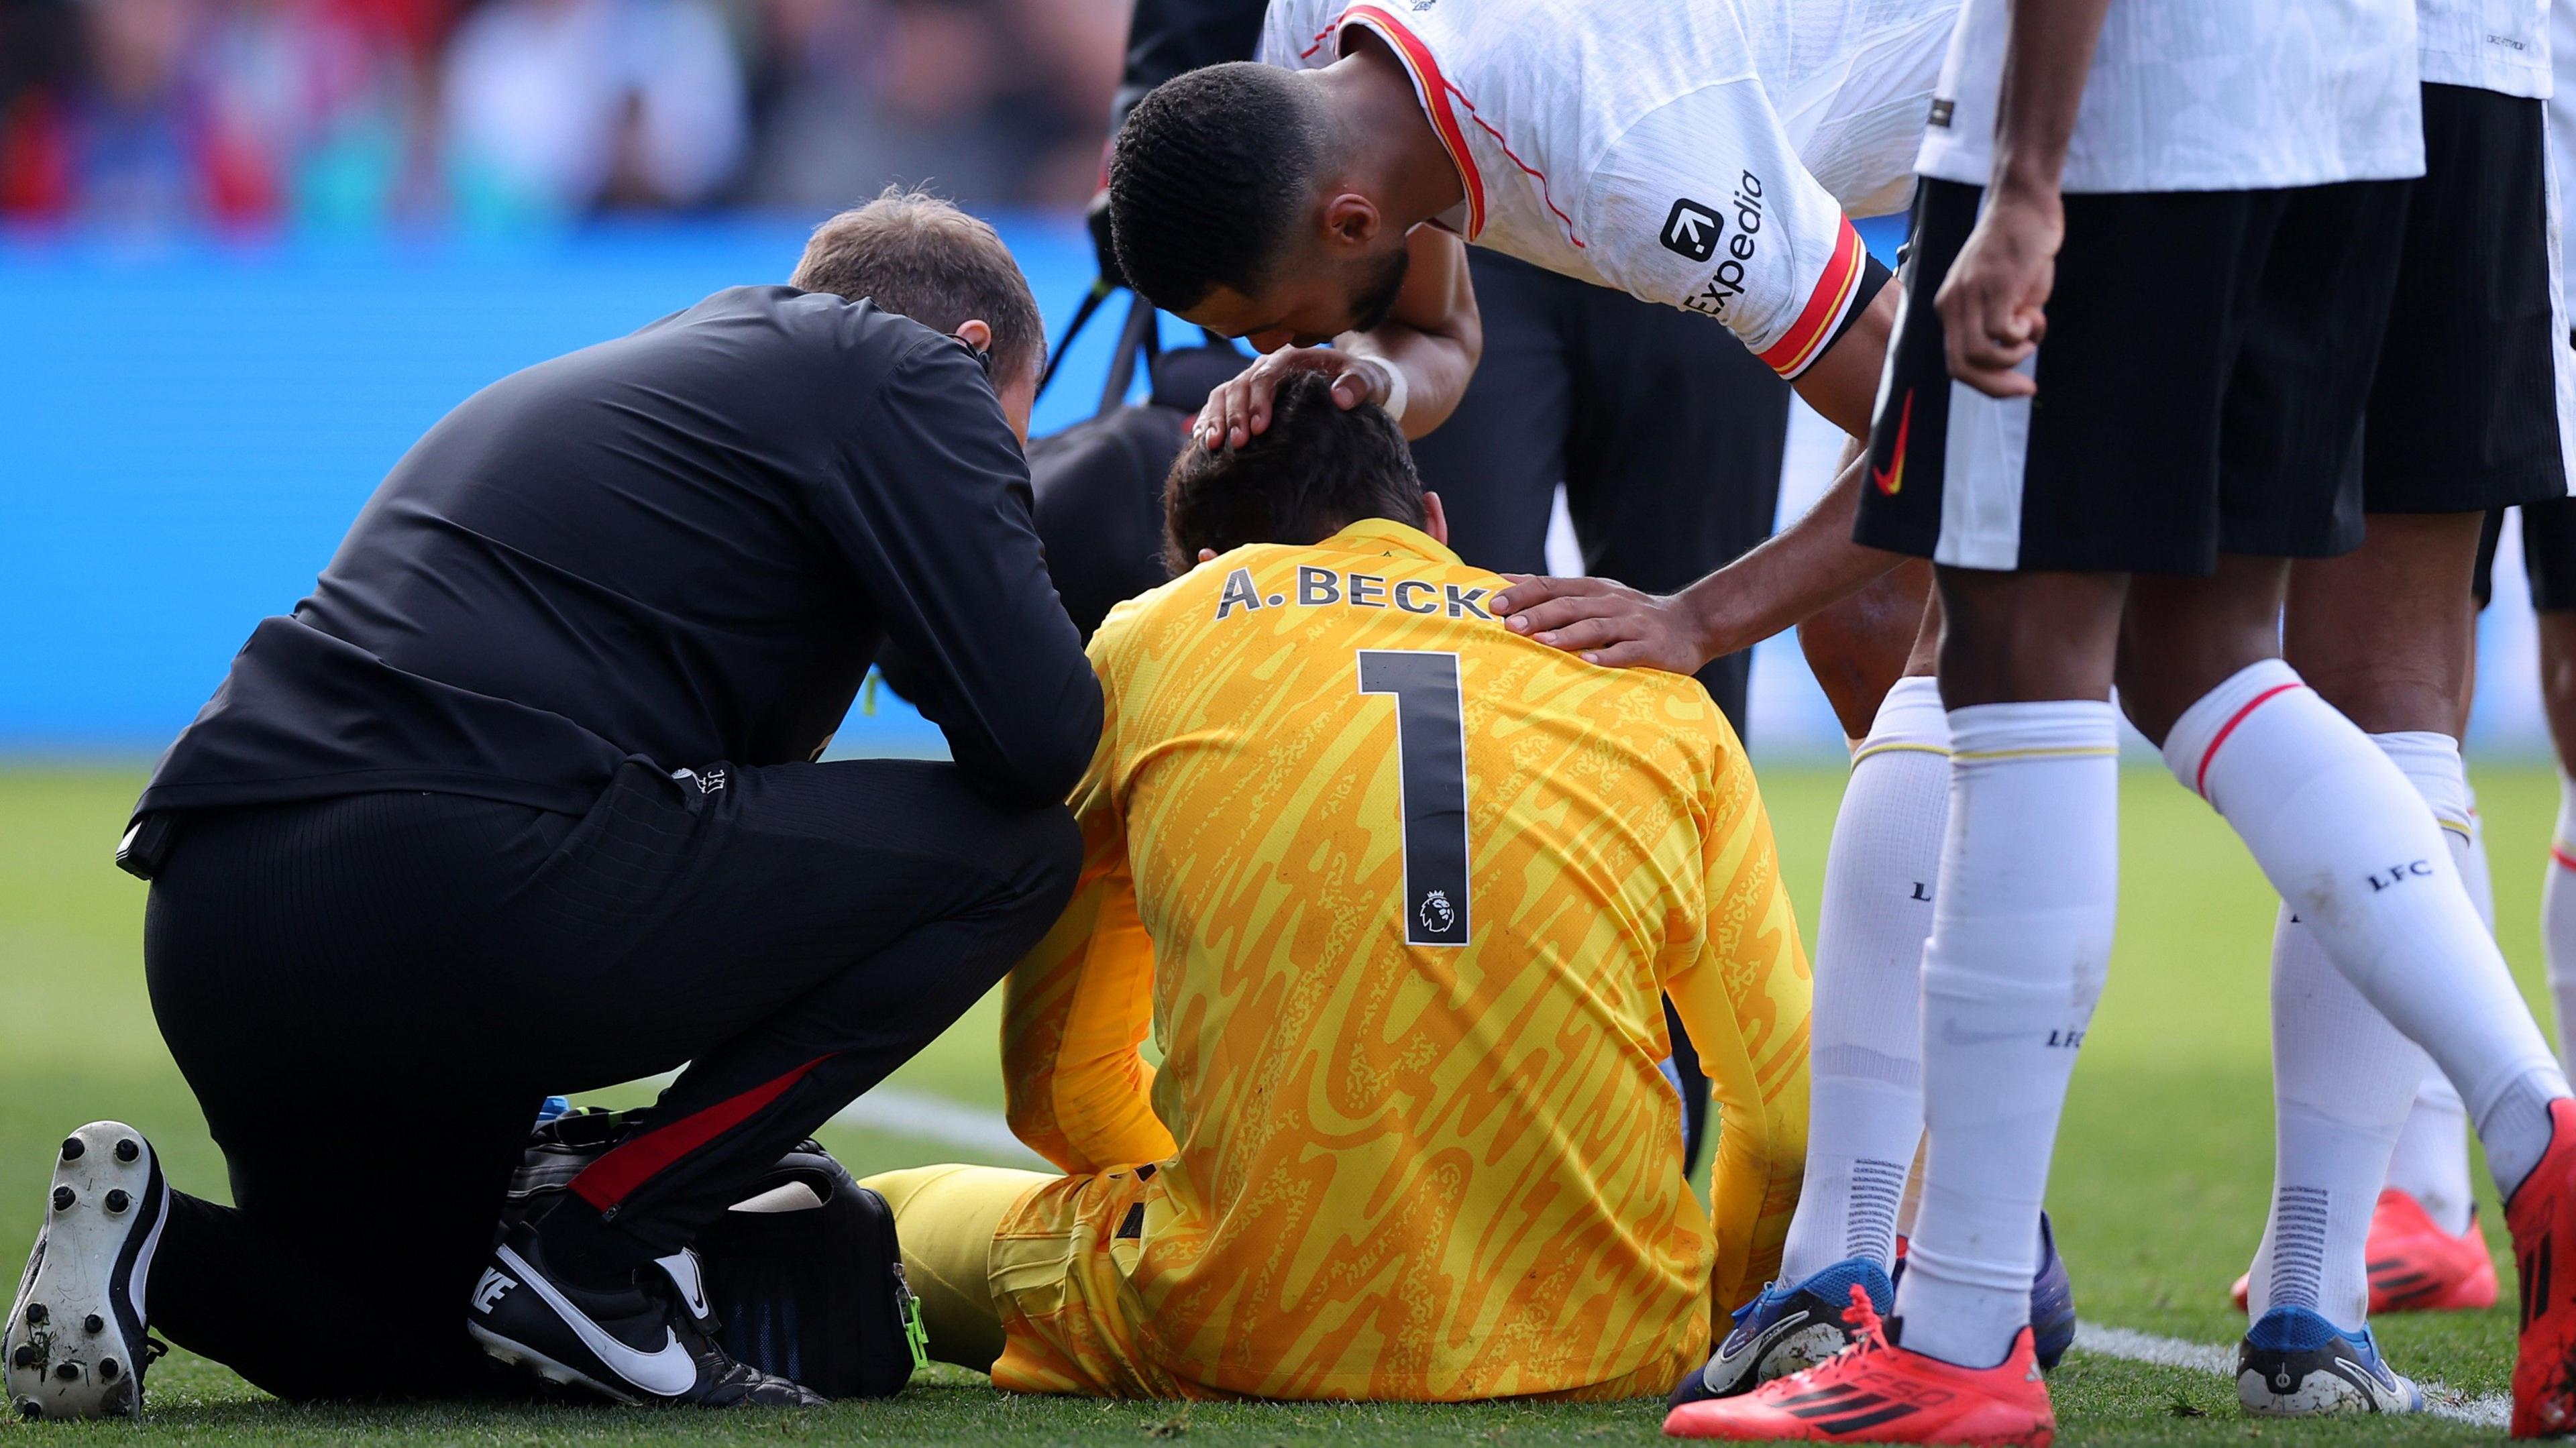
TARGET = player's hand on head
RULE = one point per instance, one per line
(1604, 622)
(1991, 304)
(1239, 410)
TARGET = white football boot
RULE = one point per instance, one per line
(74, 1344)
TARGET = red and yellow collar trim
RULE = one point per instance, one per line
(1437, 103)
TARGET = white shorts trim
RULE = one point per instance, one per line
(1981, 477)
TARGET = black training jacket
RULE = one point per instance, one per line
(685, 545)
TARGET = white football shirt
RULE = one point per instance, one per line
(2496, 45)
(2207, 95)
(1698, 153)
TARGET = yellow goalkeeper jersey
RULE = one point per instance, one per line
(1397, 892)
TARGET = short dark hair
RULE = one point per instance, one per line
(1207, 180)
(917, 255)
(1316, 470)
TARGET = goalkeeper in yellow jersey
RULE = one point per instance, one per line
(1397, 893)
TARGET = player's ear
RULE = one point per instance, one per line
(975, 332)
(1351, 219)
(1435, 519)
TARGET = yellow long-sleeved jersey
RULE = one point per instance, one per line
(1398, 892)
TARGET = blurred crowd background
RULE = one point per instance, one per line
(501, 114)
(250, 249)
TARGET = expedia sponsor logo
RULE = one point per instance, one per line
(1744, 206)
(1692, 230)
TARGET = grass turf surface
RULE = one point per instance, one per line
(2160, 1180)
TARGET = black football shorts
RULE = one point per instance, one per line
(2201, 387)
(2549, 553)
(2466, 412)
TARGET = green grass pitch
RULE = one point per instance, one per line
(2161, 1171)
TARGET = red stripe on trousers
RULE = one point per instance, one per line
(614, 1177)
(2200, 780)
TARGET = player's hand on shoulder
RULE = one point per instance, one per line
(1240, 409)
(1605, 622)
(1991, 304)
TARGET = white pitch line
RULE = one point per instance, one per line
(2130, 1345)
(924, 1117)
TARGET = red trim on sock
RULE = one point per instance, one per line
(2561, 858)
(614, 1177)
(2200, 779)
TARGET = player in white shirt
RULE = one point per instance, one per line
(2467, 415)
(2549, 560)
(2185, 239)
(1705, 155)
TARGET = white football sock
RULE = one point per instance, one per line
(2342, 1079)
(2343, 1083)
(2021, 936)
(2471, 851)
(2431, 1163)
(2558, 917)
(1865, 1064)
(2354, 852)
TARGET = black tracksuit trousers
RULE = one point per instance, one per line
(371, 995)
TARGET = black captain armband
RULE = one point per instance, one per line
(1873, 275)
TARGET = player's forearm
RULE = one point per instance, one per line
(2045, 66)
(1748, 1004)
(1798, 572)
(1436, 367)
(1842, 386)
(1433, 336)
(1762, 1153)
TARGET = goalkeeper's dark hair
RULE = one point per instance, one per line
(1315, 471)
(1208, 178)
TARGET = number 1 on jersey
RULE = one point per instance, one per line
(1431, 768)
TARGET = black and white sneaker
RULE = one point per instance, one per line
(73, 1346)
(643, 1344)
(2296, 1364)
(1791, 1327)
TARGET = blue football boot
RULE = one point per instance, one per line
(2052, 1303)
(1787, 1329)
(2052, 1299)
(2295, 1364)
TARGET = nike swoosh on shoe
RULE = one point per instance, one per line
(670, 1372)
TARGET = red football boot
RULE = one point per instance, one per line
(2541, 1215)
(2415, 1266)
(1877, 1392)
